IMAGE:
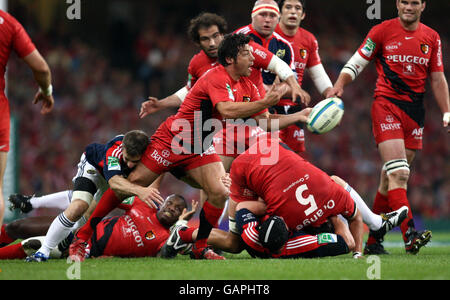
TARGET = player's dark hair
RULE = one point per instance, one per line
(135, 142)
(205, 20)
(281, 3)
(230, 46)
(273, 234)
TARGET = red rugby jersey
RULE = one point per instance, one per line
(306, 54)
(404, 59)
(188, 124)
(291, 187)
(137, 233)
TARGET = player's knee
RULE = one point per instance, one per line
(218, 195)
(397, 170)
(76, 210)
(400, 177)
(84, 189)
(338, 180)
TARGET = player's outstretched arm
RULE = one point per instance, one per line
(235, 110)
(125, 188)
(271, 122)
(153, 105)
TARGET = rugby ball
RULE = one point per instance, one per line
(325, 115)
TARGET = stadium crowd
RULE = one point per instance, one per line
(97, 97)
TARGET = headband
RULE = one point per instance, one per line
(265, 7)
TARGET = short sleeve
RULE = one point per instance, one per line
(371, 44)
(21, 42)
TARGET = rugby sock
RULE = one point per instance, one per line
(12, 252)
(397, 199)
(372, 220)
(380, 205)
(59, 200)
(5, 239)
(186, 234)
(107, 203)
(209, 217)
(58, 231)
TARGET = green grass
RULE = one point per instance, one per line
(432, 262)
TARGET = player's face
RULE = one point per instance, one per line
(170, 211)
(244, 61)
(131, 161)
(409, 11)
(292, 13)
(210, 39)
(265, 22)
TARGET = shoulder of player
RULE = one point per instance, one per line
(197, 60)
(211, 76)
(278, 37)
(307, 35)
(428, 30)
(8, 20)
(114, 147)
(245, 30)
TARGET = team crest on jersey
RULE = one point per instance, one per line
(150, 235)
(303, 53)
(281, 53)
(425, 48)
(246, 99)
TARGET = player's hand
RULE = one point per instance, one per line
(303, 114)
(47, 102)
(150, 106)
(274, 94)
(299, 95)
(446, 121)
(187, 215)
(226, 180)
(335, 91)
(152, 197)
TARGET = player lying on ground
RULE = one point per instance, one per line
(101, 166)
(140, 232)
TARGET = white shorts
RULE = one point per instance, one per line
(86, 170)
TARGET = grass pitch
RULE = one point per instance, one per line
(432, 262)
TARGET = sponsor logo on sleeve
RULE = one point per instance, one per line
(368, 48)
(113, 163)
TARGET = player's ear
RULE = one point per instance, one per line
(303, 16)
(230, 60)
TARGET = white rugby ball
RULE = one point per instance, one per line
(325, 115)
